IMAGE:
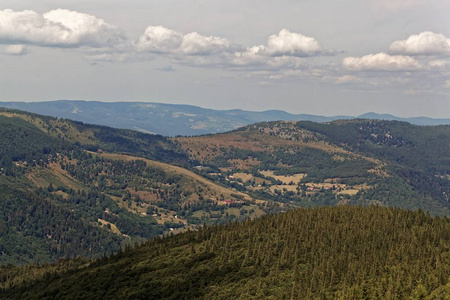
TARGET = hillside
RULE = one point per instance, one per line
(323, 253)
(61, 199)
(352, 161)
(71, 189)
(175, 119)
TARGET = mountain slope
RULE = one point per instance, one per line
(174, 119)
(117, 187)
(353, 161)
(59, 200)
(324, 253)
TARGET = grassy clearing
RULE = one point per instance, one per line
(296, 178)
(197, 179)
(112, 227)
(350, 192)
(53, 174)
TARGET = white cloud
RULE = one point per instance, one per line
(282, 50)
(381, 62)
(158, 39)
(424, 43)
(58, 28)
(16, 50)
(197, 44)
(287, 43)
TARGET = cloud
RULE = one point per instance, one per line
(287, 43)
(57, 28)
(347, 79)
(108, 57)
(282, 50)
(158, 39)
(381, 62)
(16, 50)
(424, 43)
(441, 65)
(197, 44)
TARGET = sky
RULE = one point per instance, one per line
(310, 56)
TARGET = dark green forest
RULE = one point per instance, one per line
(343, 252)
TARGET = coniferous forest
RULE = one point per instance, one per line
(343, 252)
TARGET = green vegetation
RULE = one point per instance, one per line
(341, 252)
(60, 201)
(22, 141)
(35, 229)
(351, 161)
(70, 189)
(417, 156)
(94, 137)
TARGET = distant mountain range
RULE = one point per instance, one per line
(175, 119)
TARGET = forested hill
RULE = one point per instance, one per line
(420, 147)
(348, 161)
(94, 137)
(70, 189)
(340, 252)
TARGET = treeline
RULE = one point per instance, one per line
(341, 252)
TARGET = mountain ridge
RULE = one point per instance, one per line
(180, 119)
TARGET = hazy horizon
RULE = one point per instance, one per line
(230, 109)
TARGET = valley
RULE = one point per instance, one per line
(127, 187)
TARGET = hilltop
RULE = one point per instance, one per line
(324, 253)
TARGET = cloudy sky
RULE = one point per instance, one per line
(309, 56)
